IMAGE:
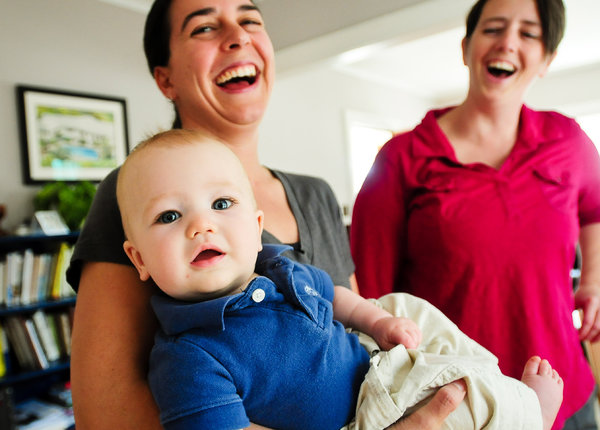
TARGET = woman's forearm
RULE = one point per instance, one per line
(113, 332)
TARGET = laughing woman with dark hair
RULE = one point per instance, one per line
(214, 60)
(484, 204)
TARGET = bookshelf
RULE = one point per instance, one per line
(36, 311)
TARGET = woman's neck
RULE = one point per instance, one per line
(482, 132)
(242, 140)
(485, 121)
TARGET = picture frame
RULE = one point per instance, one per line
(70, 136)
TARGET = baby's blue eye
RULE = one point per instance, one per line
(222, 204)
(168, 217)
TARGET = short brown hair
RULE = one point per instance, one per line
(552, 17)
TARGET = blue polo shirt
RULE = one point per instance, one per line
(272, 355)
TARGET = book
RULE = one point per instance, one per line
(64, 325)
(4, 352)
(40, 359)
(44, 276)
(35, 274)
(26, 277)
(59, 281)
(14, 275)
(52, 320)
(18, 340)
(45, 335)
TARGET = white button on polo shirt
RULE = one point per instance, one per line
(258, 295)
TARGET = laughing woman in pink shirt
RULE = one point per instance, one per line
(479, 209)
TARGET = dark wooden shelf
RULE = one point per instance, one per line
(38, 242)
(32, 307)
(28, 375)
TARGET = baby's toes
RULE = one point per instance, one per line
(532, 366)
(557, 377)
(545, 368)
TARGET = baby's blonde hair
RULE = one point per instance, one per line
(169, 139)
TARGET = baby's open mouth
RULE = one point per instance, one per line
(240, 76)
(501, 69)
(207, 254)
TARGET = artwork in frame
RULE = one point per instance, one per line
(69, 136)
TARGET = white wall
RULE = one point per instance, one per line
(304, 129)
(94, 47)
(81, 45)
(573, 92)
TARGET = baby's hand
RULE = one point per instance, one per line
(391, 331)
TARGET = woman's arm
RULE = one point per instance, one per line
(587, 296)
(377, 232)
(354, 284)
(113, 333)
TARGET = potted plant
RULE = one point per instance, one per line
(71, 200)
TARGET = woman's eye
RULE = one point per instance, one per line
(251, 22)
(168, 217)
(222, 204)
(491, 30)
(530, 35)
(202, 29)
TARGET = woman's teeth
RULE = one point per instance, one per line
(501, 68)
(247, 73)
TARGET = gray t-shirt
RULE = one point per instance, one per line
(323, 238)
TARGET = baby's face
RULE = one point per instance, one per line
(192, 221)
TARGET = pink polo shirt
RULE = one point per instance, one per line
(491, 248)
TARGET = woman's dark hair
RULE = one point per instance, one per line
(552, 17)
(157, 33)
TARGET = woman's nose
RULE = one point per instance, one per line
(236, 38)
(508, 41)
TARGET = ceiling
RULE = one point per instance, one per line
(435, 69)
(290, 22)
(413, 45)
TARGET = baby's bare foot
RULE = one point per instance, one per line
(548, 385)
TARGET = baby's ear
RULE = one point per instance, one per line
(260, 218)
(136, 259)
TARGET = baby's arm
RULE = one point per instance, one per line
(388, 331)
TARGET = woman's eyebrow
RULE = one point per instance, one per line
(247, 7)
(199, 12)
(211, 10)
(499, 19)
(495, 19)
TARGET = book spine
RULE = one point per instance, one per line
(47, 340)
(40, 356)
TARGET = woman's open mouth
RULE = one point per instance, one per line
(238, 77)
(501, 69)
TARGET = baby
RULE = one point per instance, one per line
(250, 337)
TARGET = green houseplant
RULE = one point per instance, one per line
(71, 200)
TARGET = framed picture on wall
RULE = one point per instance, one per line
(69, 136)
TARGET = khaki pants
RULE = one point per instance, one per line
(400, 380)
